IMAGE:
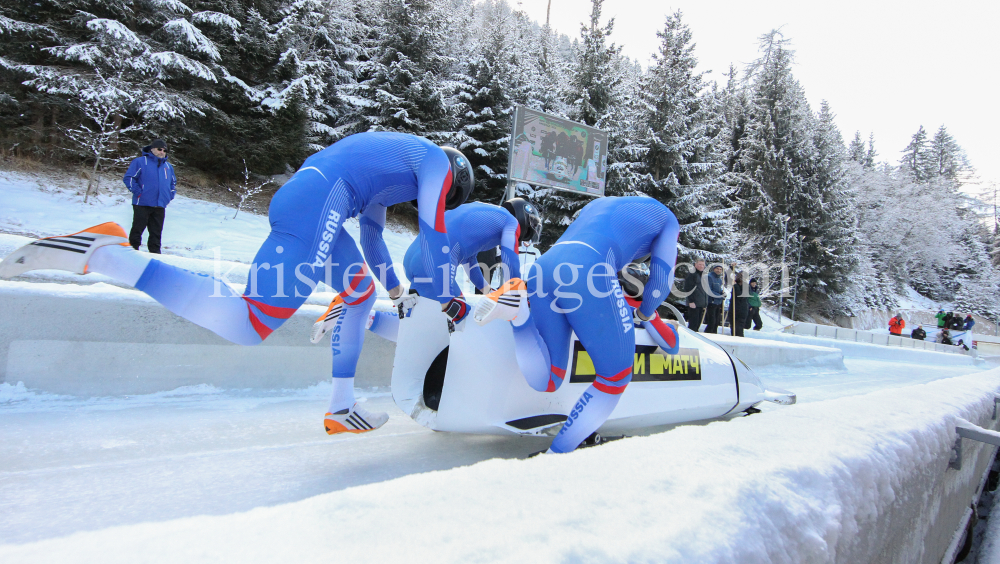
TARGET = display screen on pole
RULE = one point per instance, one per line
(546, 150)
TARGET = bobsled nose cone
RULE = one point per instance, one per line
(779, 396)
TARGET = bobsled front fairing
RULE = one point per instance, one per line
(469, 382)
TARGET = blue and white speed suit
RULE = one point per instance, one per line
(472, 229)
(574, 287)
(362, 174)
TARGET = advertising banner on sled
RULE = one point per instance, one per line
(546, 150)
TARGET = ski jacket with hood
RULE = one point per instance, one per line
(896, 325)
(151, 180)
(940, 318)
(716, 289)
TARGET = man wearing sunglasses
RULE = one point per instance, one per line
(153, 184)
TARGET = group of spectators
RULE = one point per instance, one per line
(946, 323)
(706, 297)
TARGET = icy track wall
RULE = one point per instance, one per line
(80, 342)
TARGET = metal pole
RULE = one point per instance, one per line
(795, 291)
(784, 246)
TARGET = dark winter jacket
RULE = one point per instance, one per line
(969, 322)
(693, 283)
(151, 180)
(956, 323)
(716, 290)
(918, 334)
(741, 299)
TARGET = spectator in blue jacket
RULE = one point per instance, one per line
(716, 296)
(153, 184)
(969, 322)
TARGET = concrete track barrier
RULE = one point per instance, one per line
(81, 344)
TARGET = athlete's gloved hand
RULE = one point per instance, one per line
(405, 302)
(456, 310)
(663, 334)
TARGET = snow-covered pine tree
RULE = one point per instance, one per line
(949, 160)
(834, 248)
(856, 151)
(317, 58)
(683, 134)
(239, 124)
(870, 154)
(401, 84)
(485, 104)
(774, 152)
(918, 159)
(593, 93)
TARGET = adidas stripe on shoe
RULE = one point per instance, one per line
(326, 321)
(64, 252)
(353, 420)
(505, 303)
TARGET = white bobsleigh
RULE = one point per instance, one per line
(469, 381)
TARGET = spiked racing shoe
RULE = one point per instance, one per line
(506, 303)
(353, 420)
(327, 320)
(65, 252)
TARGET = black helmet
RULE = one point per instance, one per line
(633, 279)
(527, 217)
(462, 179)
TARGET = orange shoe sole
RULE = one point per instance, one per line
(334, 428)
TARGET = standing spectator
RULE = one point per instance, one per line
(694, 283)
(940, 318)
(896, 325)
(956, 322)
(918, 334)
(153, 184)
(716, 297)
(947, 320)
(753, 313)
(969, 322)
(739, 305)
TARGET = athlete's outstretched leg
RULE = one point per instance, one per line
(385, 324)
(610, 342)
(541, 344)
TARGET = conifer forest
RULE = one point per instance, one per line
(754, 173)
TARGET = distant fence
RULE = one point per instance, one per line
(857, 336)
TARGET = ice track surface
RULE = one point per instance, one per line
(73, 464)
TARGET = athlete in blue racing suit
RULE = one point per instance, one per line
(473, 228)
(361, 174)
(574, 287)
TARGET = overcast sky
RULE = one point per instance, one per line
(886, 67)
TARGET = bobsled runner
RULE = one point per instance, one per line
(469, 381)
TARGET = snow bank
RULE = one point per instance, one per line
(860, 479)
